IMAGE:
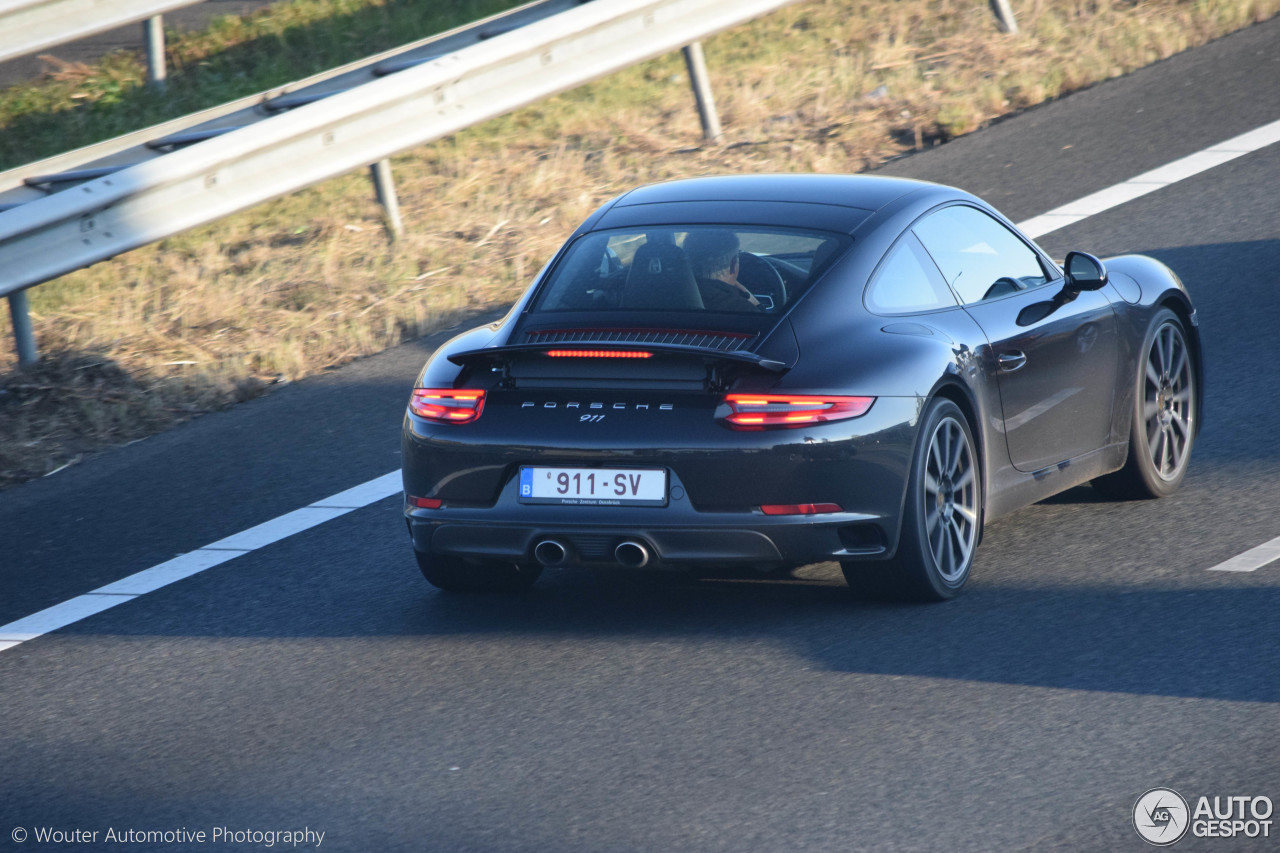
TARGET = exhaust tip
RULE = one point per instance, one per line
(549, 552)
(633, 555)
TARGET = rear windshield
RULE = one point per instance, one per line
(726, 270)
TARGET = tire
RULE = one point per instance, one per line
(1164, 413)
(941, 519)
(460, 574)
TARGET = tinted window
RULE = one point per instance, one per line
(907, 282)
(978, 255)
(719, 269)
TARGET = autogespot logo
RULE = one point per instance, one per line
(1161, 817)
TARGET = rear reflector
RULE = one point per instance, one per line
(424, 503)
(447, 405)
(758, 411)
(598, 353)
(799, 509)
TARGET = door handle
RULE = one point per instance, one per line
(1011, 361)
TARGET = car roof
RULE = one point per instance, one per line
(864, 191)
(839, 201)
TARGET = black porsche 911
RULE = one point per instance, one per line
(769, 371)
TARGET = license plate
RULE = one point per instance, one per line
(594, 486)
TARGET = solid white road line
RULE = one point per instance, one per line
(170, 571)
(1253, 559)
(327, 509)
(186, 565)
(1149, 182)
(59, 616)
(278, 528)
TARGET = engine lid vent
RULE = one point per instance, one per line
(703, 339)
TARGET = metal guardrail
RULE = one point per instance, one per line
(416, 99)
(27, 182)
(27, 26)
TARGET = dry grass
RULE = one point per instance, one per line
(219, 313)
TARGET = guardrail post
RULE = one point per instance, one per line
(1004, 14)
(23, 337)
(697, 65)
(385, 187)
(153, 32)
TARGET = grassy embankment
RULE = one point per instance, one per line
(217, 314)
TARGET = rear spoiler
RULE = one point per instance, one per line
(588, 349)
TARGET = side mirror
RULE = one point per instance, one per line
(1084, 272)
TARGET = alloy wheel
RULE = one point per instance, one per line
(950, 500)
(1168, 404)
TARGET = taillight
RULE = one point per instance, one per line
(424, 503)
(447, 405)
(759, 411)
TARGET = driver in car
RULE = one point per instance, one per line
(713, 255)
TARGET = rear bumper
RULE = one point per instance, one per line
(674, 536)
(670, 548)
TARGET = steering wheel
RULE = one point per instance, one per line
(762, 279)
(1003, 286)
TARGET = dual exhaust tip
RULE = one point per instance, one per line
(631, 554)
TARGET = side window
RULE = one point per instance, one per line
(908, 282)
(978, 255)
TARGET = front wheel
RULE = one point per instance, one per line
(460, 574)
(942, 518)
(1164, 415)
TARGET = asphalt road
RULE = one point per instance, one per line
(320, 683)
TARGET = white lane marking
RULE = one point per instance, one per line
(327, 509)
(59, 616)
(280, 527)
(1253, 559)
(195, 562)
(170, 571)
(1149, 182)
(365, 493)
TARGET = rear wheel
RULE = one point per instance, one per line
(941, 521)
(461, 574)
(1163, 419)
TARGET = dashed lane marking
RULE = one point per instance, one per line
(1251, 560)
